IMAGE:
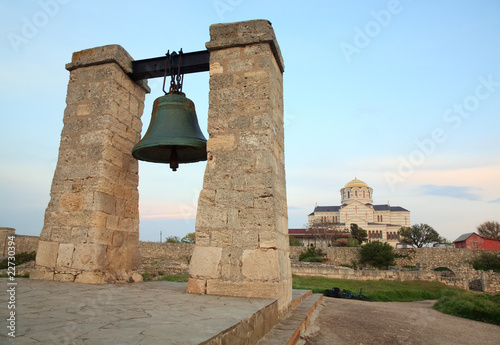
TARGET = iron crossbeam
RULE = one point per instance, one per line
(155, 67)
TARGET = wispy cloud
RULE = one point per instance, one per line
(496, 201)
(466, 193)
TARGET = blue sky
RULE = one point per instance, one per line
(405, 94)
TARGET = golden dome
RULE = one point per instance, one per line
(355, 183)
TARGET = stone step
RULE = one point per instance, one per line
(290, 327)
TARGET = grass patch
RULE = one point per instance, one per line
(379, 290)
(452, 301)
(20, 258)
(479, 307)
(5, 275)
(182, 278)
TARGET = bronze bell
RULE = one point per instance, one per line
(174, 135)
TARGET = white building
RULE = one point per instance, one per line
(381, 222)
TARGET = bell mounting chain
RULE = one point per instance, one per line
(193, 62)
(178, 77)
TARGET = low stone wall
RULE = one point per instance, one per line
(22, 243)
(157, 250)
(329, 271)
(425, 257)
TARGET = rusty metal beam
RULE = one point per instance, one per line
(155, 67)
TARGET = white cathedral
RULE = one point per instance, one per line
(381, 222)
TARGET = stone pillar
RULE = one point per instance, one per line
(91, 226)
(242, 222)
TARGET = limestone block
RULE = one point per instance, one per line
(47, 253)
(240, 65)
(240, 121)
(64, 277)
(41, 274)
(90, 256)
(87, 277)
(221, 142)
(268, 239)
(119, 238)
(79, 234)
(245, 238)
(205, 262)
(226, 54)
(255, 140)
(215, 68)
(221, 81)
(123, 258)
(207, 197)
(104, 202)
(58, 233)
(228, 197)
(198, 286)
(137, 278)
(221, 238)
(211, 217)
(259, 264)
(243, 288)
(95, 56)
(65, 255)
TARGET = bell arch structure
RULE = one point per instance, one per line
(91, 225)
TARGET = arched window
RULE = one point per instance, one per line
(348, 194)
(356, 193)
(364, 194)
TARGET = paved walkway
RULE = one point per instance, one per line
(49, 312)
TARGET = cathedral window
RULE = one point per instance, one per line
(363, 194)
(348, 194)
(356, 193)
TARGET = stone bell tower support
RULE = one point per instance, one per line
(242, 223)
(91, 226)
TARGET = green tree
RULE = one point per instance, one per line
(487, 261)
(189, 238)
(489, 229)
(173, 239)
(418, 235)
(359, 233)
(294, 241)
(378, 254)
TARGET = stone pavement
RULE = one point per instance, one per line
(48, 312)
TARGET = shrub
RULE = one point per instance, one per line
(173, 239)
(312, 254)
(346, 242)
(378, 254)
(487, 261)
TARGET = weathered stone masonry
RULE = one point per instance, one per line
(91, 226)
(242, 222)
